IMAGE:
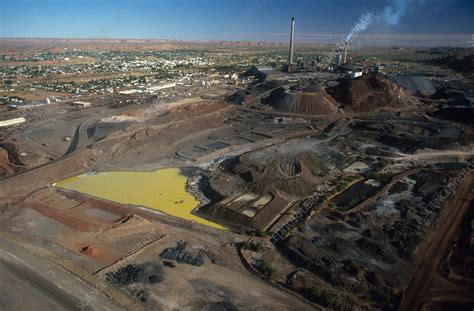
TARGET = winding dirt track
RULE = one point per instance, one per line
(428, 285)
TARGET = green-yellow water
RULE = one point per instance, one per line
(163, 190)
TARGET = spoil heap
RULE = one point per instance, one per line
(135, 277)
(293, 173)
(368, 93)
(181, 255)
(303, 102)
(142, 273)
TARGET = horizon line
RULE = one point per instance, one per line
(328, 36)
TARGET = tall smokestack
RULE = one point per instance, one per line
(344, 60)
(292, 42)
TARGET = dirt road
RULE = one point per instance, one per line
(436, 244)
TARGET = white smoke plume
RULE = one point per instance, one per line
(393, 13)
(362, 24)
(390, 15)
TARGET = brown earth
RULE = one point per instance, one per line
(22, 184)
(99, 253)
(9, 161)
(36, 94)
(5, 165)
(165, 131)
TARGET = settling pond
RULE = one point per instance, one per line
(163, 190)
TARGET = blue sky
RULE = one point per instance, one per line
(222, 19)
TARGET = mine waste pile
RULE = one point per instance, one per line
(302, 168)
(181, 255)
(143, 273)
(134, 277)
(368, 93)
(307, 101)
(368, 252)
(262, 183)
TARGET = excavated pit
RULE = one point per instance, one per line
(10, 162)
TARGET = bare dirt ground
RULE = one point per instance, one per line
(106, 233)
(35, 95)
(109, 234)
(47, 285)
(253, 169)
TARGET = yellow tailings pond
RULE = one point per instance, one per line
(163, 190)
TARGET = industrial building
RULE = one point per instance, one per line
(153, 89)
(81, 104)
(11, 122)
(352, 70)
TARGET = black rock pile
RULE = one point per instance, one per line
(181, 255)
(145, 273)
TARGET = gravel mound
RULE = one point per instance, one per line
(313, 103)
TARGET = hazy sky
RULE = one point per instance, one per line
(224, 19)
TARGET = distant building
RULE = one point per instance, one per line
(352, 71)
(153, 89)
(349, 68)
(12, 122)
(81, 104)
(128, 92)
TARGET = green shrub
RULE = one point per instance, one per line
(252, 246)
(268, 270)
